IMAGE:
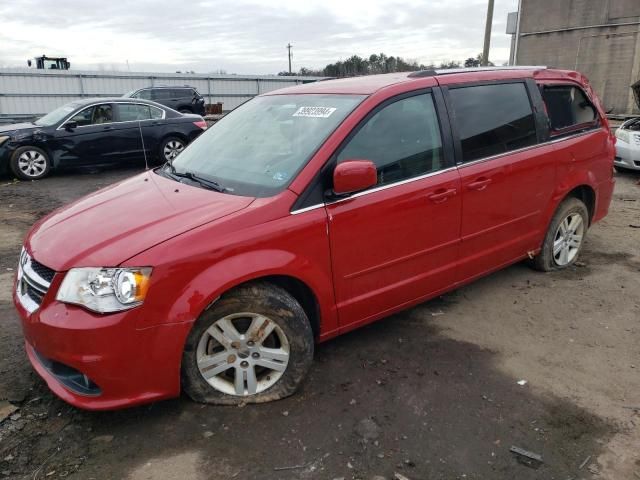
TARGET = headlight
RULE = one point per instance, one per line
(105, 290)
(4, 138)
(622, 135)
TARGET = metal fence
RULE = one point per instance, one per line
(27, 93)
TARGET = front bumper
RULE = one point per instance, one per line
(127, 366)
(628, 154)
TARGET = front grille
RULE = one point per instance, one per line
(45, 272)
(34, 280)
(35, 295)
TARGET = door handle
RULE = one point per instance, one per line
(107, 128)
(479, 184)
(441, 195)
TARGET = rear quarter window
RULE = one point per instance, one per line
(568, 107)
(492, 119)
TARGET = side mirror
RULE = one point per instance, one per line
(353, 176)
(70, 126)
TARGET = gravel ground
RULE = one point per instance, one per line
(430, 393)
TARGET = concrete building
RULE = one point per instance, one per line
(600, 38)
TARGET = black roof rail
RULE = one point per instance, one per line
(449, 71)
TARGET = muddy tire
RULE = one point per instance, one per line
(565, 237)
(253, 345)
(30, 163)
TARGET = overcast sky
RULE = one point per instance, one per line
(245, 36)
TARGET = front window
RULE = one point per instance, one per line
(257, 149)
(402, 139)
(94, 115)
(56, 115)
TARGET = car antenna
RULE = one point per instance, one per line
(144, 150)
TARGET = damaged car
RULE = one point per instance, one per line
(304, 214)
(628, 146)
(96, 132)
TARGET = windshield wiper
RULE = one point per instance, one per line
(204, 182)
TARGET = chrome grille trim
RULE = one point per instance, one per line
(30, 286)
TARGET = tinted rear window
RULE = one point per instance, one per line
(493, 119)
(567, 106)
(181, 92)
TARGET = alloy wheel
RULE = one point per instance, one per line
(243, 354)
(568, 238)
(172, 148)
(32, 163)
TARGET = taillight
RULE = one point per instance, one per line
(201, 123)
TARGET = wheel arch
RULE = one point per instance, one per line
(582, 189)
(295, 287)
(173, 133)
(302, 278)
(587, 195)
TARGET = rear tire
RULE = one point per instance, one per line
(254, 345)
(185, 110)
(30, 163)
(565, 237)
(170, 148)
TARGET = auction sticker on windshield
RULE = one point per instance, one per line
(315, 112)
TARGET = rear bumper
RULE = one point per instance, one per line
(125, 366)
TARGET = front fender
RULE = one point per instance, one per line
(182, 289)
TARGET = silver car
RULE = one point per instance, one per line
(628, 145)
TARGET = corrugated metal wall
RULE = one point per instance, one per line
(27, 93)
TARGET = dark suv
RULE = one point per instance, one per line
(183, 99)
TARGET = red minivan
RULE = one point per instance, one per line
(303, 214)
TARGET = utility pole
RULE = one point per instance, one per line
(289, 48)
(487, 35)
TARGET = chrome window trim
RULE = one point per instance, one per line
(375, 189)
(437, 172)
(524, 149)
(395, 184)
(307, 209)
(164, 113)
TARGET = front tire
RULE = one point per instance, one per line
(30, 163)
(253, 345)
(565, 238)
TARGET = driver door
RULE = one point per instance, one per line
(397, 242)
(93, 141)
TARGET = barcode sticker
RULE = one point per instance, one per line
(314, 112)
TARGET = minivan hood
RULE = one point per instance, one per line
(112, 225)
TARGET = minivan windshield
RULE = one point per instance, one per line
(257, 149)
(56, 115)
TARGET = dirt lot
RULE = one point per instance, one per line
(430, 393)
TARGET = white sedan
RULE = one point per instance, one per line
(628, 145)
